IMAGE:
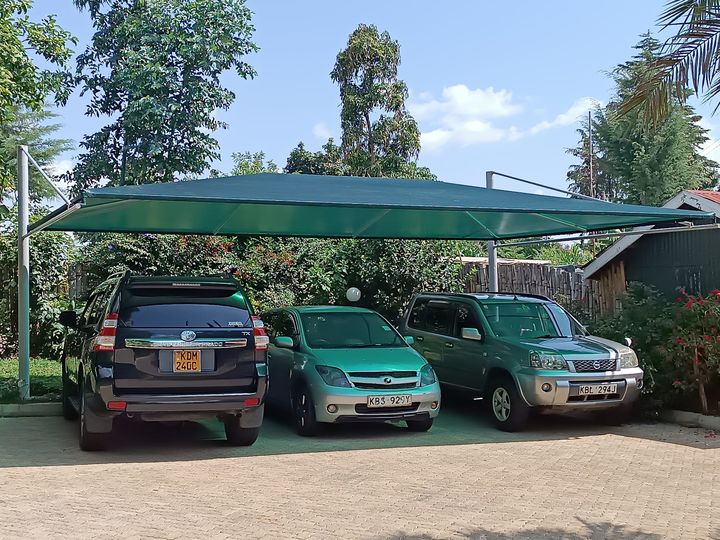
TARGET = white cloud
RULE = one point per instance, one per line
(465, 116)
(321, 131)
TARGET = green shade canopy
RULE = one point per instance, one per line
(343, 206)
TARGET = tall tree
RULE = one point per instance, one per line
(34, 128)
(22, 82)
(249, 163)
(649, 162)
(379, 136)
(154, 67)
(690, 57)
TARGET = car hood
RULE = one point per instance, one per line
(370, 359)
(585, 347)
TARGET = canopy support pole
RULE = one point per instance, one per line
(23, 204)
(493, 284)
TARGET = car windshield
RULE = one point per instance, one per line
(341, 330)
(527, 320)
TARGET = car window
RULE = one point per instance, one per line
(340, 330)
(439, 319)
(566, 322)
(417, 314)
(519, 319)
(465, 318)
(280, 324)
(95, 308)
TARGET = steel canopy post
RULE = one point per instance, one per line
(491, 247)
(23, 205)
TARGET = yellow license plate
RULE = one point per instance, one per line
(186, 361)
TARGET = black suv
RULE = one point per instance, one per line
(165, 349)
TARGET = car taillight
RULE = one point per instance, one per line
(261, 338)
(105, 340)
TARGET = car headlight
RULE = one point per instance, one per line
(333, 376)
(628, 359)
(547, 361)
(427, 375)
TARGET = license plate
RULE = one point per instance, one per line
(595, 389)
(186, 361)
(402, 400)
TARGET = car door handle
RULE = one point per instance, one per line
(449, 345)
(420, 338)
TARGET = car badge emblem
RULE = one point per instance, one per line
(387, 380)
(596, 364)
(187, 335)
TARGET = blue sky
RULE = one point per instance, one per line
(492, 87)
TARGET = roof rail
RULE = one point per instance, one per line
(508, 293)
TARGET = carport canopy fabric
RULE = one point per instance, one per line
(343, 207)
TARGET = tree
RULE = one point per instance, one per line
(641, 162)
(328, 161)
(380, 137)
(35, 129)
(22, 83)
(690, 58)
(155, 67)
(249, 163)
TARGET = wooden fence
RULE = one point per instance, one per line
(564, 284)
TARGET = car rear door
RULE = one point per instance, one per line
(184, 338)
(430, 322)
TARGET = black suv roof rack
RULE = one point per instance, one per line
(504, 293)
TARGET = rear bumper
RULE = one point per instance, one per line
(152, 407)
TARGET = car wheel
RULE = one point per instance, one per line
(237, 435)
(419, 426)
(304, 412)
(508, 409)
(89, 442)
(68, 409)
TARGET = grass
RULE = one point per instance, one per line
(45, 380)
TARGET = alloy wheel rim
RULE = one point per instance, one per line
(301, 409)
(501, 404)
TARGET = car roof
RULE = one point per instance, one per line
(490, 298)
(329, 309)
(210, 280)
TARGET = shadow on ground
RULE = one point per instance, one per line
(585, 530)
(28, 442)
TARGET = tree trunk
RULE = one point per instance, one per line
(701, 384)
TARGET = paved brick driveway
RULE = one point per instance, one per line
(562, 478)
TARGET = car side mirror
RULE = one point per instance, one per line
(409, 340)
(628, 341)
(471, 333)
(68, 318)
(284, 342)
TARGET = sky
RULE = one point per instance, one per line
(492, 87)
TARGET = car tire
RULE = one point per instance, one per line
(303, 411)
(68, 409)
(419, 426)
(237, 435)
(507, 408)
(89, 441)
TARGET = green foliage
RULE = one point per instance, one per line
(50, 255)
(638, 161)
(577, 254)
(155, 68)
(45, 380)
(328, 161)
(22, 83)
(248, 163)
(34, 129)
(604, 186)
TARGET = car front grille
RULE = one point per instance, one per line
(383, 386)
(362, 408)
(584, 366)
(593, 397)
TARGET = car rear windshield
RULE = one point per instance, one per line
(519, 319)
(147, 306)
(348, 330)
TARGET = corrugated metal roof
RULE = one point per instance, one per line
(713, 196)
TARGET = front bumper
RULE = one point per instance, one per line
(564, 388)
(352, 404)
(172, 407)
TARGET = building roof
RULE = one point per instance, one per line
(708, 201)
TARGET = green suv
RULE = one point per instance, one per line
(522, 353)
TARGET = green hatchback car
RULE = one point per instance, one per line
(333, 364)
(522, 353)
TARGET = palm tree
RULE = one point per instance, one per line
(689, 63)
